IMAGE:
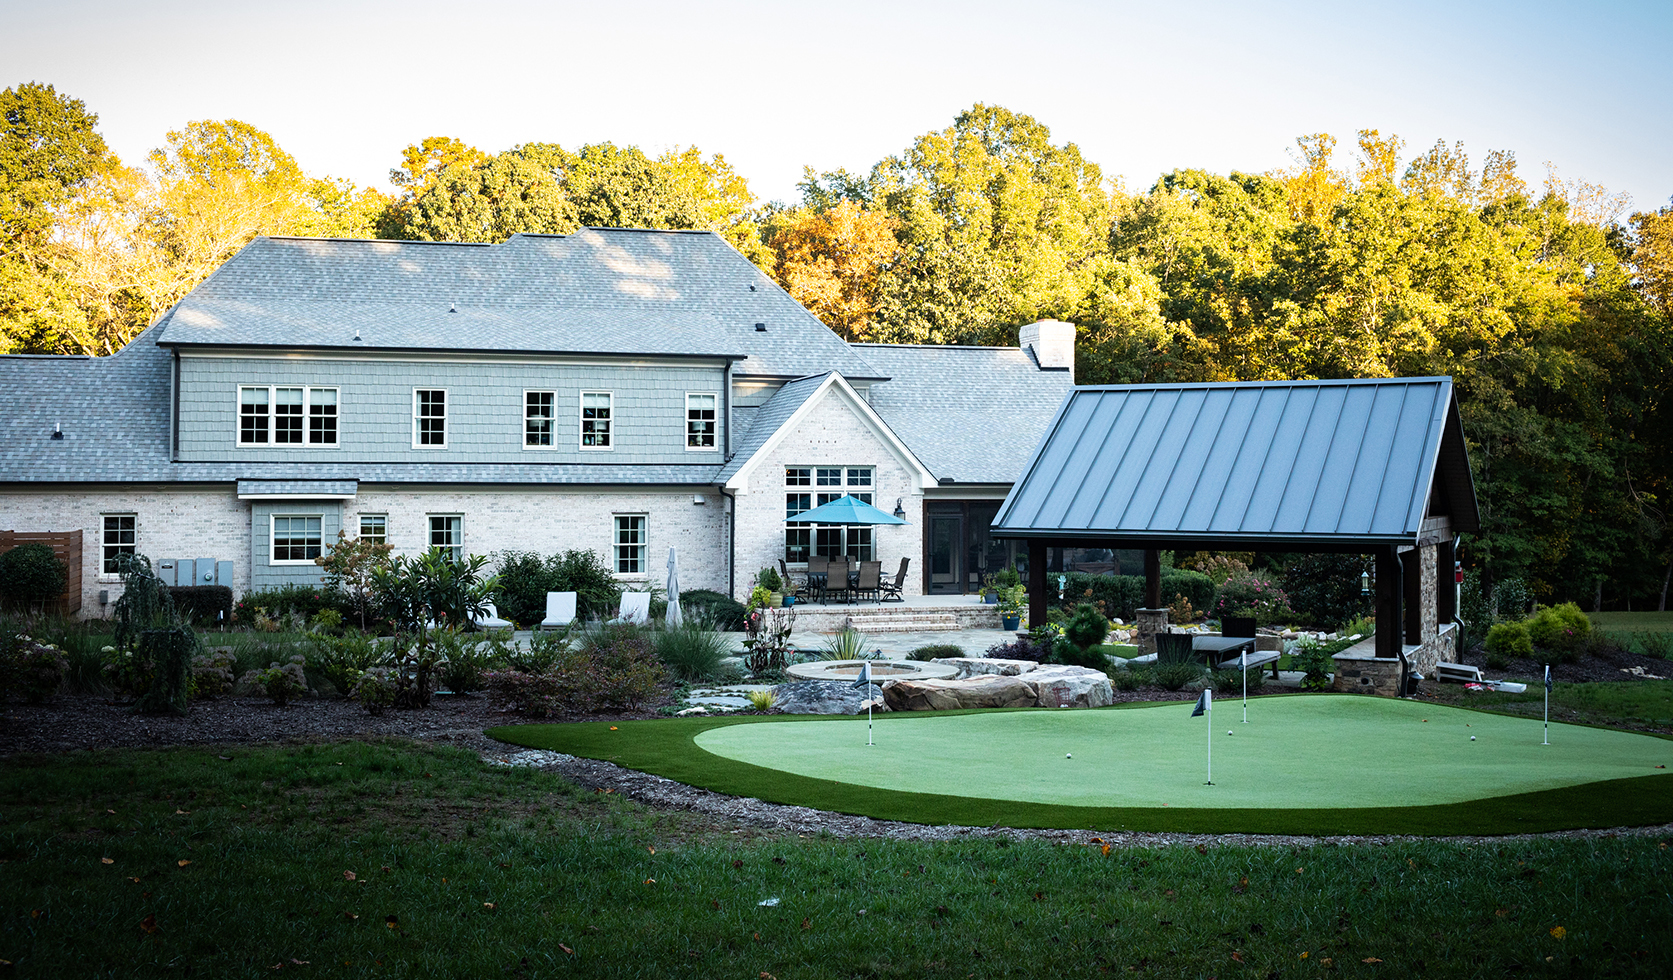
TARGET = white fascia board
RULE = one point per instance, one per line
(921, 478)
(296, 496)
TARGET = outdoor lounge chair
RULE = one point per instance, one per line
(891, 590)
(490, 619)
(1459, 673)
(635, 608)
(791, 586)
(560, 610)
(871, 581)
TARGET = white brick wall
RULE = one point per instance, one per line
(172, 522)
(178, 522)
(832, 434)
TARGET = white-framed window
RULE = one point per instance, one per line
(287, 415)
(701, 410)
(539, 418)
(630, 544)
(807, 487)
(448, 531)
(374, 528)
(296, 539)
(429, 418)
(121, 537)
(596, 420)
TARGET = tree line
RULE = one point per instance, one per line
(1549, 305)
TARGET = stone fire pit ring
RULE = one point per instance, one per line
(881, 670)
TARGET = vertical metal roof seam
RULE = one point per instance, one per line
(1103, 444)
(1359, 457)
(1144, 416)
(1376, 505)
(1219, 430)
(1313, 498)
(1266, 457)
(1175, 467)
(1420, 502)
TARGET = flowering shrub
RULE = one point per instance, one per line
(127, 673)
(279, 682)
(211, 675)
(344, 658)
(767, 639)
(31, 668)
(1561, 627)
(611, 668)
(1251, 591)
(375, 689)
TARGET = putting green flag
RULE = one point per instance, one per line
(865, 675)
(1204, 703)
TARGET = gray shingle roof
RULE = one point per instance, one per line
(295, 488)
(767, 420)
(1346, 462)
(598, 291)
(972, 414)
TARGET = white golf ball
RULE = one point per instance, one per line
(1472, 738)
(1068, 755)
(1228, 731)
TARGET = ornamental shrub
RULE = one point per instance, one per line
(1315, 662)
(1510, 640)
(29, 668)
(277, 602)
(202, 605)
(693, 652)
(1194, 586)
(525, 577)
(342, 659)
(1082, 634)
(30, 574)
(211, 675)
(280, 682)
(1562, 627)
(725, 612)
(1175, 674)
(375, 689)
(1258, 593)
(935, 651)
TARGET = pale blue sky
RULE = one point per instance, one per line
(1142, 87)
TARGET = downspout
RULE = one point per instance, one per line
(731, 541)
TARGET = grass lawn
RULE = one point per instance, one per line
(405, 861)
(1637, 703)
(1304, 764)
(1636, 621)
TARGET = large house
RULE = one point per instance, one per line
(616, 390)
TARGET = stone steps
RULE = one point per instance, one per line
(905, 621)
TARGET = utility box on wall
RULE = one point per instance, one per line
(195, 571)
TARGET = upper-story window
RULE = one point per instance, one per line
(700, 420)
(539, 416)
(287, 415)
(595, 420)
(429, 417)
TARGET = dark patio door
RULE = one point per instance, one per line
(946, 553)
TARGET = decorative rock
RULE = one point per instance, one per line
(1062, 686)
(978, 666)
(982, 691)
(700, 709)
(825, 698)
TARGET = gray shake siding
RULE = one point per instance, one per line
(263, 572)
(485, 407)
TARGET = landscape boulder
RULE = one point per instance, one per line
(825, 698)
(976, 666)
(1062, 686)
(981, 691)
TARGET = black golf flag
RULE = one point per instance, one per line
(1548, 677)
(1203, 703)
(865, 675)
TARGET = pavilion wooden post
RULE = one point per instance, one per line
(1037, 602)
(1391, 620)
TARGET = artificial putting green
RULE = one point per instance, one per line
(1303, 764)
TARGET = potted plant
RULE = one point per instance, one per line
(1012, 601)
(767, 578)
(989, 592)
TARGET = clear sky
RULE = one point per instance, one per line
(1142, 87)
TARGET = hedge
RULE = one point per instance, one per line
(204, 605)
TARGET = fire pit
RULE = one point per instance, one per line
(881, 670)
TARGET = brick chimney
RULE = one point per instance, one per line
(1053, 343)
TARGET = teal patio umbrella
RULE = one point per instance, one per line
(846, 510)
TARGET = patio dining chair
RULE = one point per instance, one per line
(791, 586)
(815, 578)
(891, 590)
(871, 581)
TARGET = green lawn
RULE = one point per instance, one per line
(237, 863)
(1635, 703)
(1304, 764)
(1637, 621)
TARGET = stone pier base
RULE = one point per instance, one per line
(1147, 624)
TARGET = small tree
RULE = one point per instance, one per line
(31, 575)
(348, 568)
(147, 623)
(417, 590)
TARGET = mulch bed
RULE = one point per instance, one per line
(1614, 665)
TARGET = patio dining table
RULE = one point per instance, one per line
(820, 582)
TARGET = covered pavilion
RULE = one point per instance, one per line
(1363, 466)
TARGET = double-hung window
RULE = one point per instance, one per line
(630, 544)
(287, 415)
(296, 538)
(374, 528)
(700, 410)
(120, 537)
(807, 487)
(539, 416)
(447, 531)
(595, 420)
(429, 418)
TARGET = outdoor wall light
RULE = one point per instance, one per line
(900, 509)
(1364, 583)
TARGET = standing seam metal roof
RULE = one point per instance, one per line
(1293, 461)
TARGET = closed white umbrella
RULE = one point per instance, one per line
(674, 617)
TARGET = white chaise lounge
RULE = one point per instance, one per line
(560, 610)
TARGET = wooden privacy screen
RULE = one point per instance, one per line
(67, 546)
